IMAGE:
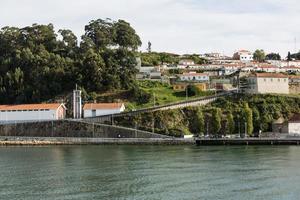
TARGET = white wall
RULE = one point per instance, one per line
(101, 112)
(246, 57)
(294, 128)
(194, 78)
(28, 115)
(263, 85)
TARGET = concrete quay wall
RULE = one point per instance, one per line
(68, 128)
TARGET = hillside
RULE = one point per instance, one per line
(225, 116)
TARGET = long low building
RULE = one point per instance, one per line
(264, 83)
(100, 109)
(32, 112)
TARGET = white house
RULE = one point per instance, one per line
(294, 124)
(244, 56)
(262, 83)
(186, 62)
(32, 112)
(193, 76)
(100, 109)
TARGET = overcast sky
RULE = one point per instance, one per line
(178, 26)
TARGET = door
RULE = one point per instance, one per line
(93, 113)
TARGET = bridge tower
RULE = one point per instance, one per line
(77, 104)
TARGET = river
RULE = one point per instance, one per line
(150, 172)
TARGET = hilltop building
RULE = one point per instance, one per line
(100, 109)
(32, 112)
(244, 56)
(263, 83)
(186, 62)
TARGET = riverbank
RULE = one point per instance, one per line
(92, 141)
(11, 141)
(248, 141)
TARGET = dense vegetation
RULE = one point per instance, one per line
(155, 58)
(295, 56)
(37, 64)
(232, 115)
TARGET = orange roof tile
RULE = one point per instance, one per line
(99, 106)
(295, 118)
(193, 74)
(49, 106)
(270, 75)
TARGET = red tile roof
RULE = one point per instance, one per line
(100, 106)
(49, 106)
(270, 75)
(295, 118)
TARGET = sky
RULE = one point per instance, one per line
(176, 26)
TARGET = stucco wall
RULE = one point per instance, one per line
(28, 115)
(268, 85)
(294, 128)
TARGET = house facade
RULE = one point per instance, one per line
(182, 86)
(294, 124)
(32, 112)
(186, 62)
(100, 109)
(193, 76)
(263, 83)
(243, 56)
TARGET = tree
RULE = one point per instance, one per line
(216, 121)
(197, 125)
(259, 55)
(248, 117)
(230, 124)
(192, 90)
(37, 65)
(289, 57)
(125, 35)
(273, 56)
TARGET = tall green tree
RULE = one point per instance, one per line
(259, 55)
(248, 117)
(216, 121)
(273, 56)
(230, 124)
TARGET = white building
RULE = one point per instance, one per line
(193, 76)
(244, 56)
(32, 112)
(262, 83)
(294, 124)
(186, 62)
(100, 109)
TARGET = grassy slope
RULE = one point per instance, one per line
(164, 94)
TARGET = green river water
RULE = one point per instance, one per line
(150, 172)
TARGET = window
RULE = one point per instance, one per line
(279, 80)
(271, 80)
(265, 80)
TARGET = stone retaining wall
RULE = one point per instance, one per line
(67, 128)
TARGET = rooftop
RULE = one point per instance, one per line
(49, 106)
(193, 74)
(295, 118)
(270, 75)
